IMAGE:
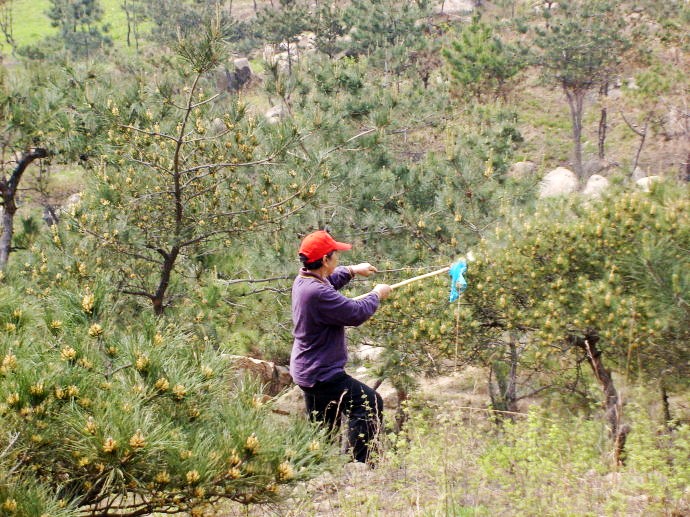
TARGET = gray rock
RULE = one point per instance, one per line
(455, 6)
(645, 184)
(596, 185)
(594, 166)
(242, 63)
(274, 114)
(240, 76)
(558, 182)
(638, 174)
(522, 170)
(218, 126)
(291, 402)
(306, 41)
(368, 352)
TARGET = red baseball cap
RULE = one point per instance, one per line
(317, 244)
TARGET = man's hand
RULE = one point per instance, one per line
(382, 290)
(363, 269)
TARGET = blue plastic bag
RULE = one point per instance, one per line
(458, 284)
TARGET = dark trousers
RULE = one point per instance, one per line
(342, 395)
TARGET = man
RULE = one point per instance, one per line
(319, 353)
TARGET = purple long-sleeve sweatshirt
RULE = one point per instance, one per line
(320, 314)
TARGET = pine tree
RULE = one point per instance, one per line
(78, 22)
(480, 63)
(579, 47)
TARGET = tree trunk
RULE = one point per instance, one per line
(504, 392)
(511, 388)
(576, 103)
(612, 404)
(603, 123)
(400, 415)
(642, 133)
(8, 193)
(289, 56)
(125, 8)
(158, 298)
(6, 237)
(643, 137)
(664, 404)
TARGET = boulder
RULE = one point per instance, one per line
(306, 41)
(243, 70)
(595, 186)
(455, 6)
(558, 182)
(218, 126)
(291, 402)
(70, 205)
(638, 174)
(385, 389)
(594, 166)
(73, 200)
(273, 377)
(645, 184)
(545, 5)
(274, 114)
(521, 170)
(279, 60)
(676, 120)
(369, 353)
(240, 76)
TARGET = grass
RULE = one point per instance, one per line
(31, 23)
(450, 462)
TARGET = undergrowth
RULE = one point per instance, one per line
(456, 462)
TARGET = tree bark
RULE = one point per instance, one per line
(400, 415)
(158, 298)
(642, 133)
(8, 194)
(603, 122)
(504, 395)
(665, 405)
(618, 431)
(576, 103)
(125, 8)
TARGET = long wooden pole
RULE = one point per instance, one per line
(410, 280)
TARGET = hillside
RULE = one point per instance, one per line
(154, 198)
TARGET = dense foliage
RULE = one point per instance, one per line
(398, 129)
